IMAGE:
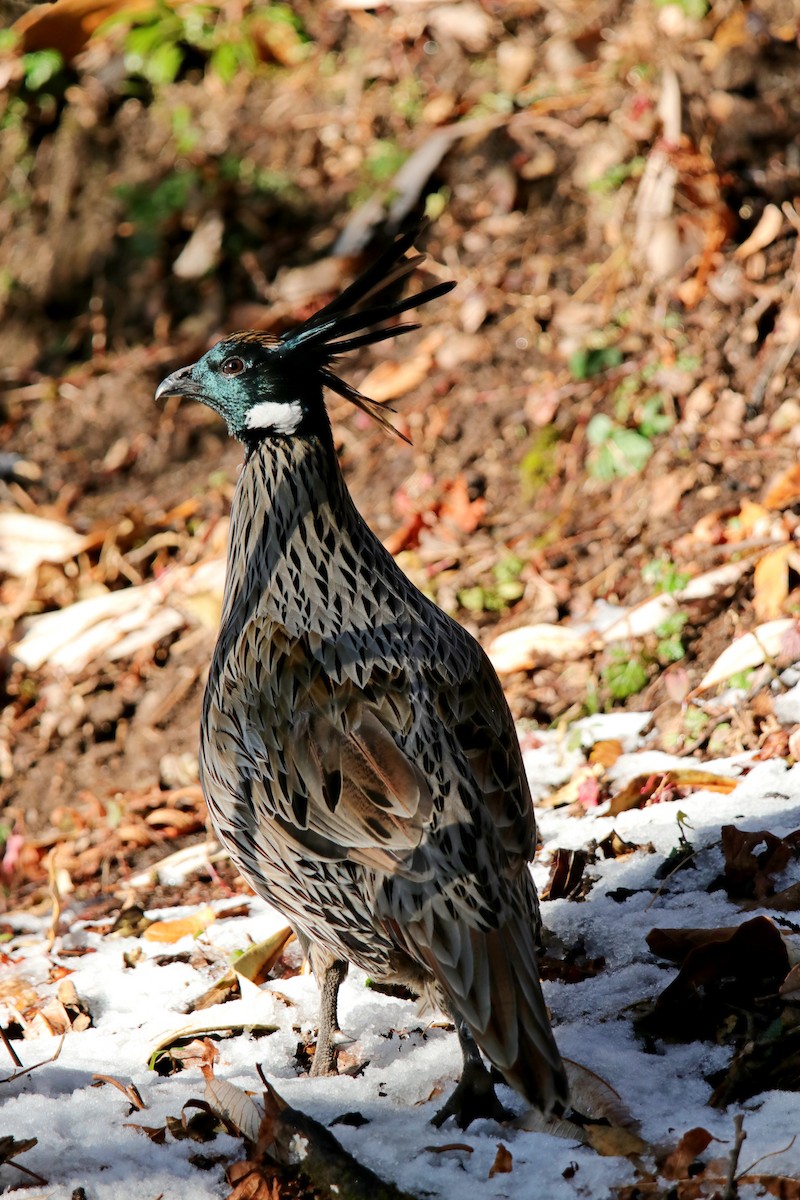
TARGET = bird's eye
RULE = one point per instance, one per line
(232, 366)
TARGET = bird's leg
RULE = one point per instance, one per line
(474, 1095)
(330, 973)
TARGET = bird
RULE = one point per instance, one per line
(357, 754)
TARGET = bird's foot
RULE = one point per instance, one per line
(325, 1055)
(474, 1097)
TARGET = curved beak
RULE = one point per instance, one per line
(179, 383)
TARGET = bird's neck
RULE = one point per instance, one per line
(290, 517)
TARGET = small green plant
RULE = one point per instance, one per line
(670, 647)
(680, 855)
(615, 450)
(161, 42)
(590, 361)
(384, 159)
(625, 673)
(664, 575)
(506, 589)
(148, 208)
(540, 462)
(613, 178)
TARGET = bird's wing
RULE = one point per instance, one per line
(353, 788)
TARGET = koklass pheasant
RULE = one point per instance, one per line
(357, 755)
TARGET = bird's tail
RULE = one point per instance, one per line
(369, 301)
(491, 979)
(513, 1030)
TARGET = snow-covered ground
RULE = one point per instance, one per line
(83, 1138)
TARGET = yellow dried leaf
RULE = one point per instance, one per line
(771, 583)
(17, 993)
(606, 752)
(173, 931)
(257, 961)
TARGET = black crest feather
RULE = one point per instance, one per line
(367, 303)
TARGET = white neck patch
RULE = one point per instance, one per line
(281, 418)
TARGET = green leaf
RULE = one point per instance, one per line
(633, 451)
(587, 362)
(599, 429)
(40, 66)
(164, 64)
(625, 674)
(225, 61)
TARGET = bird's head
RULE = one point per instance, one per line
(268, 387)
(259, 388)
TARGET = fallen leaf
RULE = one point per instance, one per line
(771, 582)
(606, 752)
(233, 1105)
(503, 1162)
(257, 961)
(26, 541)
(667, 785)
(612, 1141)
(725, 974)
(530, 646)
(766, 643)
(785, 490)
(768, 228)
(173, 931)
(748, 874)
(566, 876)
(781, 1186)
(129, 1090)
(392, 379)
(691, 1145)
(68, 25)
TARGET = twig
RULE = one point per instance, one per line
(681, 863)
(12, 1054)
(27, 1070)
(764, 1157)
(731, 1189)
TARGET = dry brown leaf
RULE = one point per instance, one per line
(448, 1146)
(612, 1141)
(392, 379)
(456, 507)
(667, 785)
(781, 1186)
(692, 1144)
(173, 931)
(129, 1090)
(566, 876)
(722, 972)
(748, 872)
(176, 821)
(503, 1162)
(17, 993)
(569, 792)
(771, 583)
(67, 25)
(784, 490)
